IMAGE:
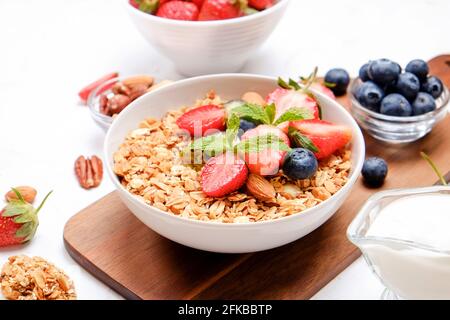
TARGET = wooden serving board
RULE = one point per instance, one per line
(108, 241)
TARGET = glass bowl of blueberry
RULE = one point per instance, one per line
(395, 106)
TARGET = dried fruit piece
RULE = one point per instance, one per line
(28, 194)
(89, 171)
(86, 91)
(261, 188)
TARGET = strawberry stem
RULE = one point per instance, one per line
(434, 167)
(18, 194)
(312, 77)
(43, 201)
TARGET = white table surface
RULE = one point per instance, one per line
(49, 49)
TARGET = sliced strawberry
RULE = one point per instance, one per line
(261, 4)
(223, 175)
(86, 91)
(178, 10)
(285, 99)
(198, 3)
(219, 10)
(325, 90)
(267, 162)
(199, 120)
(326, 136)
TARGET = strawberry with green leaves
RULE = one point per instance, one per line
(18, 221)
(269, 161)
(321, 137)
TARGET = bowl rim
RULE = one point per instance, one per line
(355, 172)
(444, 99)
(277, 6)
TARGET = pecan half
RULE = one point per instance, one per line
(117, 103)
(89, 171)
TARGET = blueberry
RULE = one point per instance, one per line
(433, 85)
(395, 104)
(339, 78)
(245, 125)
(300, 164)
(408, 85)
(419, 68)
(364, 72)
(384, 71)
(424, 103)
(370, 95)
(374, 171)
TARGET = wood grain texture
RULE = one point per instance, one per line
(108, 241)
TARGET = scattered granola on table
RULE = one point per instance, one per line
(25, 278)
(149, 164)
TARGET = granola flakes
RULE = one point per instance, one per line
(149, 166)
(25, 278)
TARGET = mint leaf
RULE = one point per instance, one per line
(310, 80)
(294, 84)
(302, 140)
(271, 112)
(232, 129)
(329, 84)
(283, 84)
(211, 145)
(261, 143)
(252, 112)
(294, 114)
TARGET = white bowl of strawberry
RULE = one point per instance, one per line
(229, 170)
(206, 36)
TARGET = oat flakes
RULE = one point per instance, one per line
(149, 166)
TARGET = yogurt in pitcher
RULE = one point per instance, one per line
(420, 270)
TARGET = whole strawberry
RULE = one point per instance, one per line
(261, 4)
(18, 221)
(221, 9)
(178, 10)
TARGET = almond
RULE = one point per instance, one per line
(253, 97)
(138, 80)
(160, 85)
(260, 188)
(28, 194)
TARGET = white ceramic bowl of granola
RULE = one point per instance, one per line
(216, 236)
(205, 47)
